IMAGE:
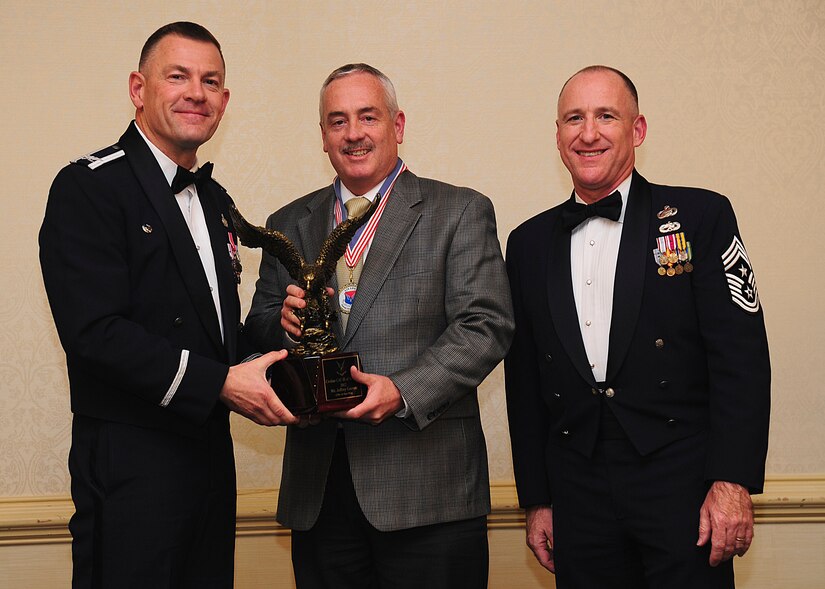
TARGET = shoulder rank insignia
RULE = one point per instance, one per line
(741, 281)
(98, 158)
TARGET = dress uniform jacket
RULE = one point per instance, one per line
(687, 352)
(129, 293)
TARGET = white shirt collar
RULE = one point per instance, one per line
(167, 166)
(369, 194)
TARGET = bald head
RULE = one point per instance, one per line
(598, 128)
(627, 82)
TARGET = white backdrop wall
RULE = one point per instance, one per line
(734, 94)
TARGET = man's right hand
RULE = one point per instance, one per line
(294, 300)
(540, 535)
(247, 392)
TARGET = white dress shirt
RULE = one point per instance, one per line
(594, 251)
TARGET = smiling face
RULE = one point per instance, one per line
(597, 131)
(360, 133)
(179, 96)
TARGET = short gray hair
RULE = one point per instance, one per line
(361, 68)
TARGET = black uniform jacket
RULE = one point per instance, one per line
(687, 352)
(128, 291)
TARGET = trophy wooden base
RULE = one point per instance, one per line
(317, 384)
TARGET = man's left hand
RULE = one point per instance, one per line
(383, 399)
(726, 519)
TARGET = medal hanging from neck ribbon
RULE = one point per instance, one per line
(362, 238)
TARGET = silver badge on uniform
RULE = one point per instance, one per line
(741, 281)
(666, 212)
(670, 226)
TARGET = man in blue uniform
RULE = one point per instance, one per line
(638, 382)
(140, 264)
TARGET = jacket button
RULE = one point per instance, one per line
(660, 343)
(664, 384)
(548, 358)
(594, 391)
(671, 423)
(566, 433)
(178, 321)
(609, 393)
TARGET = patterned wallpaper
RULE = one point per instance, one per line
(734, 94)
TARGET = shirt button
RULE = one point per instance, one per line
(587, 323)
(589, 282)
(211, 289)
(592, 365)
(592, 242)
(197, 247)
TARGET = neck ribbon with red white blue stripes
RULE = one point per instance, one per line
(363, 237)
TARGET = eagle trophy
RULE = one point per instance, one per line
(316, 318)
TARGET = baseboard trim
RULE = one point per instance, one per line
(44, 520)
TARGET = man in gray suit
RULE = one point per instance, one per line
(393, 492)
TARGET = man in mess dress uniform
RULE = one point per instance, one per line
(140, 264)
(638, 382)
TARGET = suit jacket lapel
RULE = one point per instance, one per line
(630, 273)
(216, 214)
(561, 301)
(394, 229)
(159, 193)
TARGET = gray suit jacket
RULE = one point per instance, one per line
(433, 313)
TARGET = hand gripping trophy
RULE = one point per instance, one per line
(315, 377)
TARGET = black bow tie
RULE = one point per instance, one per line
(574, 213)
(184, 177)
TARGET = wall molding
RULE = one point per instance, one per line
(44, 520)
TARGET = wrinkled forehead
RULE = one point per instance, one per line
(591, 90)
(184, 51)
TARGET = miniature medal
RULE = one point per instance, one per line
(234, 257)
(346, 296)
(673, 253)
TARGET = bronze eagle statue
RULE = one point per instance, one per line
(316, 318)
